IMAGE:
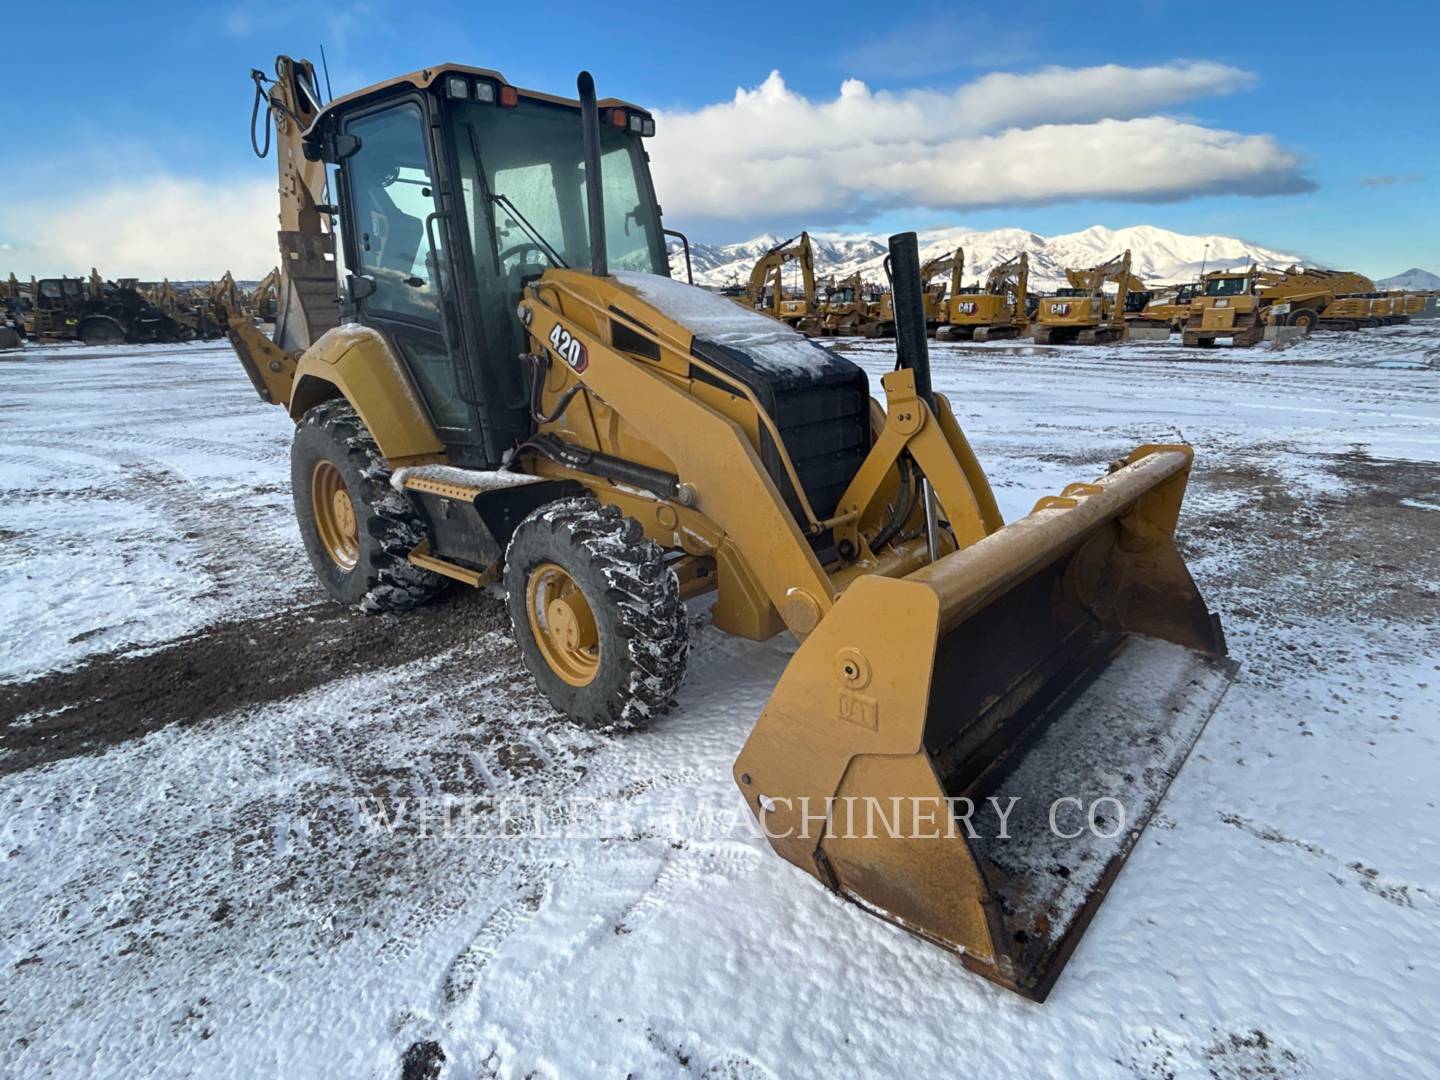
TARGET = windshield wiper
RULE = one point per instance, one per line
(530, 230)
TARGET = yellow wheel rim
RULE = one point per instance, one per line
(334, 513)
(563, 624)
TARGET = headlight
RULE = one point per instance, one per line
(457, 86)
(485, 92)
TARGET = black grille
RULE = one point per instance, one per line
(823, 416)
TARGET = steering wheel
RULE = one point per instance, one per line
(528, 245)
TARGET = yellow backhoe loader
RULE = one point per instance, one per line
(1084, 313)
(514, 388)
(998, 310)
(766, 290)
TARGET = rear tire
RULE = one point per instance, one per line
(1304, 317)
(358, 531)
(101, 332)
(623, 665)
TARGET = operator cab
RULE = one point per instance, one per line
(52, 293)
(1227, 286)
(454, 189)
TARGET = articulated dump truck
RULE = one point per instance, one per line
(512, 388)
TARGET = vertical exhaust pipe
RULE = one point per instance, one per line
(912, 349)
(590, 125)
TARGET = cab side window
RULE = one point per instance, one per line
(392, 195)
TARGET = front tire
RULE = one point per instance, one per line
(597, 614)
(358, 532)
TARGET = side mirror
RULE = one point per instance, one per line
(340, 147)
(685, 244)
(359, 286)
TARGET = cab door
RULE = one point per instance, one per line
(402, 281)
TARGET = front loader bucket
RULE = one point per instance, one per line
(1066, 662)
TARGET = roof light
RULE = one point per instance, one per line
(457, 86)
(647, 127)
(485, 92)
(508, 97)
(635, 123)
(617, 118)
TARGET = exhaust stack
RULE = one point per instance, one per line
(907, 294)
(590, 124)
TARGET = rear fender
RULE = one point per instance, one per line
(357, 363)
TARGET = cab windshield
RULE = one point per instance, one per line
(522, 186)
(1232, 286)
(522, 170)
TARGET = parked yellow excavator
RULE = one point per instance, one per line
(1084, 313)
(998, 310)
(937, 276)
(766, 289)
(261, 299)
(511, 387)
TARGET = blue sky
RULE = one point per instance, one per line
(1320, 132)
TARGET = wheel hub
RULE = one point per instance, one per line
(563, 624)
(335, 518)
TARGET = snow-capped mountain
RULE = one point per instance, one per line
(1158, 256)
(1412, 280)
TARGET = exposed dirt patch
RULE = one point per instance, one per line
(1361, 549)
(1250, 1055)
(125, 695)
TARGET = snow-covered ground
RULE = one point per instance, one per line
(196, 747)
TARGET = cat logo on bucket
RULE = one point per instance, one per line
(571, 351)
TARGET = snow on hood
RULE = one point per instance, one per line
(772, 346)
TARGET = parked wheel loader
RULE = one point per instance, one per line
(998, 310)
(511, 388)
(94, 311)
(1170, 304)
(766, 289)
(1083, 313)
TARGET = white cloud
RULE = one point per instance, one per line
(162, 226)
(1049, 136)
